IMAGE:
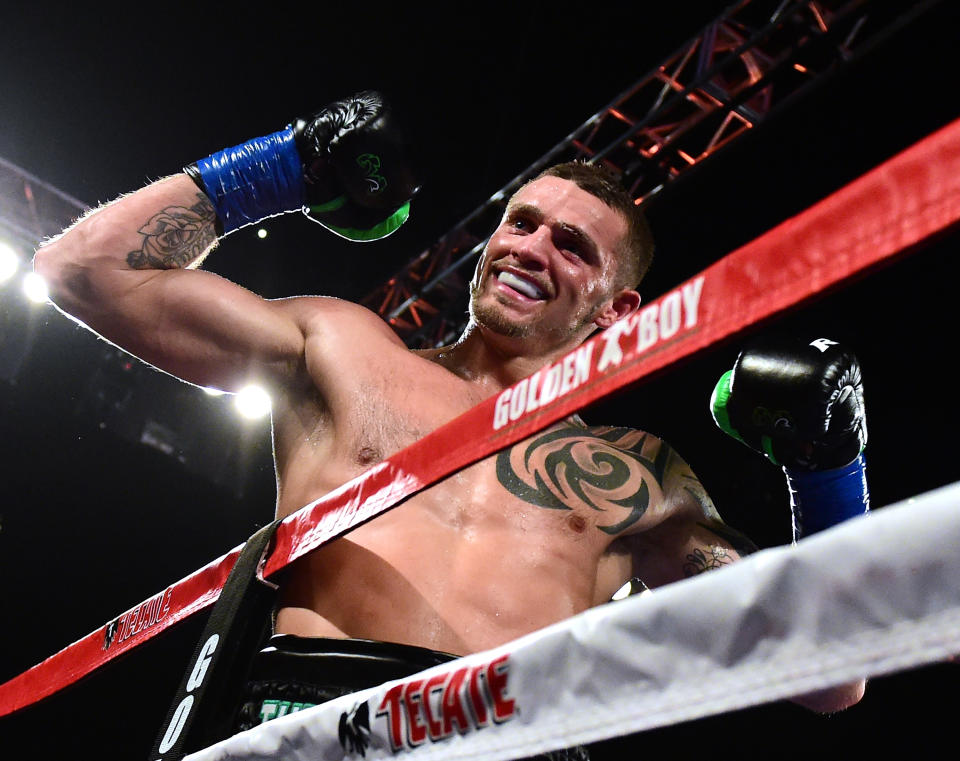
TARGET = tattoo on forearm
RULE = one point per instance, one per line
(176, 237)
(607, 470)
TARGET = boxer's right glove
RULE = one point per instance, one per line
(801, 406)
(344, 167)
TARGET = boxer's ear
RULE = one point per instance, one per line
(621, 305)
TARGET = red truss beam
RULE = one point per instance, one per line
(752, 60)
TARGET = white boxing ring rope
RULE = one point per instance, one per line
(872, 596)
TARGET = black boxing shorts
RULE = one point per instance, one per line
(292, 673)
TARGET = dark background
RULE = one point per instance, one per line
(100, 103)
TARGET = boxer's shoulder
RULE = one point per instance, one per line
(673, 490)
(347, 350)
(327, 316)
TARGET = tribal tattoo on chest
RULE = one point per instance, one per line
(610, 470)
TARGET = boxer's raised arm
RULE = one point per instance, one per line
(123, 271)
(128, 270)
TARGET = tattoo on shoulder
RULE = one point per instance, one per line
(176, 237)
(605, 469)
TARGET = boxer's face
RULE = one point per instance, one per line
(550, 267)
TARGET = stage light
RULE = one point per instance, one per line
(9, 262)
(252, 402)
(35, 287)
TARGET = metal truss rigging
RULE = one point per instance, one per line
(752, 60)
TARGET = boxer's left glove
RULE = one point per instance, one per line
(344, 167)
(802, 406)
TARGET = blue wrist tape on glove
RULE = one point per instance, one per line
(256, 179)
(823, 498)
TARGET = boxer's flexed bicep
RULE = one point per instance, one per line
(126, 272)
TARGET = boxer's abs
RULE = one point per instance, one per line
(459, 568)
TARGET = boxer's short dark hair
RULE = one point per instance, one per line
(636, 250)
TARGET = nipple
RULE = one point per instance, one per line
(577, 522)
(368, 456)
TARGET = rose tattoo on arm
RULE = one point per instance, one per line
(176, 237)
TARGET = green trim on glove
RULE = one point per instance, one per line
(381, 230)
(333, 205)
(767, 443)
(718, 406)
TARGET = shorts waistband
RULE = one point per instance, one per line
(351, 663)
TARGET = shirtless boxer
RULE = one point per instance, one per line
(504, 547)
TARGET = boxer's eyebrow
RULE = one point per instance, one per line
(530, 211)
(583, 239)
(521, 209)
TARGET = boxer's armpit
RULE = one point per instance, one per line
(177, 237)
(680, 548)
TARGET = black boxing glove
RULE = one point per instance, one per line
(802, 407)
(344, 167)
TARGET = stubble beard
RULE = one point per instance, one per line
(493, 319)
(488, 316)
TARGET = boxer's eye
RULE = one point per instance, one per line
(573, 248)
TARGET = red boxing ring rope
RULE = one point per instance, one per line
(887, 211)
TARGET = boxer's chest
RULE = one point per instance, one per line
(595, 479)
(592, 480)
